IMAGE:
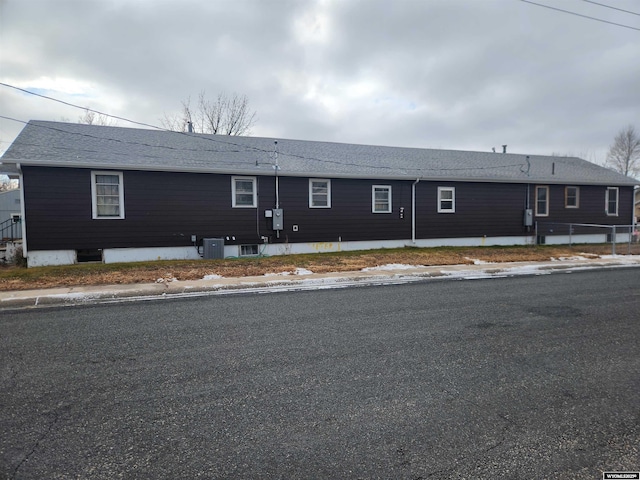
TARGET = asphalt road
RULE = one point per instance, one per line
(528, 377)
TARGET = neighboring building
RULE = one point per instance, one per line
(10, 227)
(121, 194)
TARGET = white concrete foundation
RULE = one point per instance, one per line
(117, 255)
(42, 258)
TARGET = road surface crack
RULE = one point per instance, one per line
(44, 435)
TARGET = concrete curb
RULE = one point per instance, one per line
(168, 288)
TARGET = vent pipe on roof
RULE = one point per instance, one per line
(190, 127)
(504, 149)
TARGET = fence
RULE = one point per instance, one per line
(570, 233)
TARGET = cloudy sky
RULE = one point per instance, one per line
(453, 74)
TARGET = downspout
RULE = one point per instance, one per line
(23, 217)
(413, 211)
(634, 220)
(276, 167)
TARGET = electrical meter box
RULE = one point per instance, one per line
(278, 223)
(528, 217)
(213, 248)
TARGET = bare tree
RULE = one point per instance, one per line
(624, 154)
(226, 115)
(93, 118)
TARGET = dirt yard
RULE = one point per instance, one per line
(20, 278)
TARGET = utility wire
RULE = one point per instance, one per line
(613, 8)
(78, 106)
(580, 15)
(216, 140)
(155, 127)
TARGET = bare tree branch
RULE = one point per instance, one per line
(624, 153)
(224, 116)
(93, 118)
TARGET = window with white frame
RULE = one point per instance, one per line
(446, 199)
(611, 205)
(542, 201)
(571, 197)
(319, 193)
(107, 195)
(381, 198)
(243, 192)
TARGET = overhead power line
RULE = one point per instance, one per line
(224, 142)
(612, 8)
(580, 15)
(78, 106)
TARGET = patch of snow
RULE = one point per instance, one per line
(212, 276)
(302, 271)
(492, 273)
(392, 266)
(166, 279)
(477, 262)
(624, 258)
(73, 296)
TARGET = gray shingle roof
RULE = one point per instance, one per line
(78, 145)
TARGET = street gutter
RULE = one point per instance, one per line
(385, 275)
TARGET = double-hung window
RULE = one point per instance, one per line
(107, 195)
(446, 200)
(571, 197)
(319, 193)
(243, 192)
(381, 198)
(542, 201)
(611, 205)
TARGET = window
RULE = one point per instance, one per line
(611, 206)
(381, 198)
(446, 200)
(542, 201)
(243, 192)
(571, 197)
(248, 250)
(107, 195)
(319, 193)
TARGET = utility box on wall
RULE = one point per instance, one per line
(278, 223)
(213, 248)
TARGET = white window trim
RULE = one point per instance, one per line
(453, 200)
(233, 192)
(566, 190)
(373, 198)
(606, 201)
(94, 196)
(328, 181)
(546, 187)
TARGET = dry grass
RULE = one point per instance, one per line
(17, 278)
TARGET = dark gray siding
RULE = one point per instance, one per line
(165, 209)
(481, 209)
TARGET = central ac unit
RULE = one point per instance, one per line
(213, 248)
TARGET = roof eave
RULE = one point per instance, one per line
(311, 174)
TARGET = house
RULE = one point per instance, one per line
(99, 193)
